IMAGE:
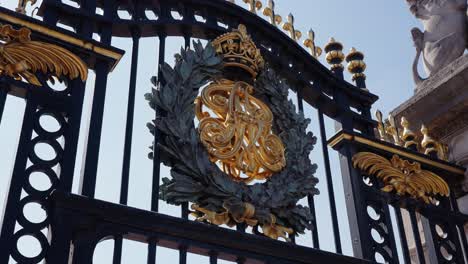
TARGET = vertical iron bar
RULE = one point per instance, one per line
(128, 137)
(157, 134)
(310, 198)
(156, 158)
(77, 90)
(3, 95)
(417, 236)
(130, 116)
(151, 258)
(185, 205)
(183, 254)
(93, 141)
(461, 228)
(401, 231)
(117, 257)
(213, 257)
(315, 239)
(331, 192)
(11, 209)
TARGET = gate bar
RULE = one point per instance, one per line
(417, 236)
(402, 233)
(331, 192)
(310, 198)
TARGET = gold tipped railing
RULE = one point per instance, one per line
(403, 136)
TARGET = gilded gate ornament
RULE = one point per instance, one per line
(403, 136)
(21, 57)
(221, 84)
(239, 136)
(402, 176)
(239, 133)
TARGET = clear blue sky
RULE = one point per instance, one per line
(379, 28)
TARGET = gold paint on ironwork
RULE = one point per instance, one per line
(63, 37)
(408, 136)
(402, 176)
(21, 8)
(276, 231)
(315, 51)
(214, 218)
(348, 137)
(356, 65)
(240, 136)
(296, 35)
(272, 230)
(431, 146)
(381, 126)
(254, 5)
(392, 130)
(269, 11)
(239, 50)
(335, 55)
(388, 132)
(20, 57)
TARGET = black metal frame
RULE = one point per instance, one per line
(84, 221)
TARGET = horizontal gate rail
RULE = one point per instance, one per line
(72, 215)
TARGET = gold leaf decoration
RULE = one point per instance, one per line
(276, 231)
(20, 57)
(230, 217)
(402, 176)
(239, 135)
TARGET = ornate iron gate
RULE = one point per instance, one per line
(375, 173)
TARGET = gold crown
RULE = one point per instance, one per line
(239, 50)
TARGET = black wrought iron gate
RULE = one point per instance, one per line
(77, 223)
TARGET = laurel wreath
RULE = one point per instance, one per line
(194, 178)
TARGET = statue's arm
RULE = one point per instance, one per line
(418, 39)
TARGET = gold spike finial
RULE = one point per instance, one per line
(289, 26)
(408, 136)
(428, 143)
(269, 11)
(431, 146)
(391, 129)
(254, 5)
(310, 43)
(381, 126)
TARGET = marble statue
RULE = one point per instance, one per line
(445, 33)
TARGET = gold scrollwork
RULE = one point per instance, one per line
(405, 137)
(240, 135)
(402, 176)
(20, 57)
(271, 230)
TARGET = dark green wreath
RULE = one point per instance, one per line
(196, 179)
